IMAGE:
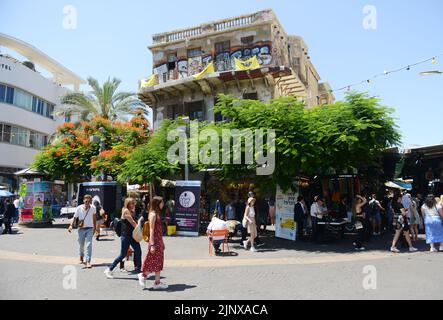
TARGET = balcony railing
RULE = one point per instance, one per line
(213, 27)
(234, 23)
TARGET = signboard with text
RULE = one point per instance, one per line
(187, 207)
(285, 226)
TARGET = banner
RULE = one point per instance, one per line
(249, 64)
(22, 192)
(285, 226)
(37, 213)
(187, 207)
(209, 69)
(150, 82)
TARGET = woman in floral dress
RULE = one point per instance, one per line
(154, 259)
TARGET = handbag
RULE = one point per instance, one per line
(81, 223)
(137, 233)
(358, 225)
(244, 222)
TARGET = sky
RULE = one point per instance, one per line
(110, 39)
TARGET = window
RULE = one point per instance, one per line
(195, 110)
(10, 95)
(6, 133)
(14, 135)
(250, 96)
(2, 92)
(194, 52)
(247, 40)
(32, 139)
(224, 46)
(34, 104)
(22, 99)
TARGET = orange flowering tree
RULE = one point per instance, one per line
(74, 157)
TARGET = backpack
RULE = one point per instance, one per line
(116, 225)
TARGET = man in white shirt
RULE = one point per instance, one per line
(17, 206)
(317, 212)
(217, 224)
(87, 221)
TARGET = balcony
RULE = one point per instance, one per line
(217, 26)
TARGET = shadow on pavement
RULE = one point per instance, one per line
(173, 288)
(342, 246)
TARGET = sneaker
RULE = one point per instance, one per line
(374, 234)
(394, 249)
(245, 244)
(88, 265)
(434, 249)
(412, 249)
(160, 285)
(253, 249)
(123, 270)
(360, 249)
(141, 280)
(108, 273)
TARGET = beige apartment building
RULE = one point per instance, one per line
(285, 68)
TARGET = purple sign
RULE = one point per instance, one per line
(187, 207)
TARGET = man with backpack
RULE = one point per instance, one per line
(375, 211)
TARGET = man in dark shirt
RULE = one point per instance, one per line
(300, 212)
(9, 215)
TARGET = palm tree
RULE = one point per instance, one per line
(102, 101)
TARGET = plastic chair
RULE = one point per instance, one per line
(218, 233)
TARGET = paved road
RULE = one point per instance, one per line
(33, 261)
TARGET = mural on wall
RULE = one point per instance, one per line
(262, 52)
(182, 66)
(223, 61)
(160, 71)
(206, 60)
(194, 65)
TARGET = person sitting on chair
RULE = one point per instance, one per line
(217, 224)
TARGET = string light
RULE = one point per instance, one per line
(433, 61)
(369, 81)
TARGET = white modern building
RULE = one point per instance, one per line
(27, 103)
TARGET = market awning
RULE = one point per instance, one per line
(398, 185)
(30, 172)
(4, 193)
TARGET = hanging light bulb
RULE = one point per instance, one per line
(349, 88)
(385, 72)
(369, 81)
(433, 61)
(408, 68)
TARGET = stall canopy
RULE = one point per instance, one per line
(30, 172)
(4, 193)
(398, 185)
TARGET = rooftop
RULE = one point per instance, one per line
(61, 74)
(238, 22)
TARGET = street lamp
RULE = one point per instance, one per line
(430, 73)
(184, 129)
(102, 143)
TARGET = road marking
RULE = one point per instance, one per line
(215, 262)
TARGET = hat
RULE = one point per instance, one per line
(250, 199)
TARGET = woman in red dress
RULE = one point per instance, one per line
(154, 259)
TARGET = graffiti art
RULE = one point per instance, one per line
(223, 61)
(194, 65)
(182, 66)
